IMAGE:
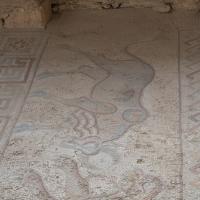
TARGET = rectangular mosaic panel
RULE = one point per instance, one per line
(4, 103)
(15, 69)
(20, 43)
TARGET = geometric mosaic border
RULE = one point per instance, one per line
(189, 91)
(20, 52)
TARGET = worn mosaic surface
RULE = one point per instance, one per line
(106, 116)
(190, 109)
(19, 55)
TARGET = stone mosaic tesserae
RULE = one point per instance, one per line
(91, 109)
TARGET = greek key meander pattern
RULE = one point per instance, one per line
(19, 55)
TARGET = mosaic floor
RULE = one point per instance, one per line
(101, 106)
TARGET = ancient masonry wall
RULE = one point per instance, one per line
(159, 5)
(24, 13)
(37, 13)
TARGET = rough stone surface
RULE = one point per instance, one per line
(159, 5)
(36, 13)
(106, 116)
(25, 13)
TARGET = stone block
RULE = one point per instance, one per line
(25, 13)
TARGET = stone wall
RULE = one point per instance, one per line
(36, 13)
(160, 5)
(24, 13)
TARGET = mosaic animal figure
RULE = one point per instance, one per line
(114, 102)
